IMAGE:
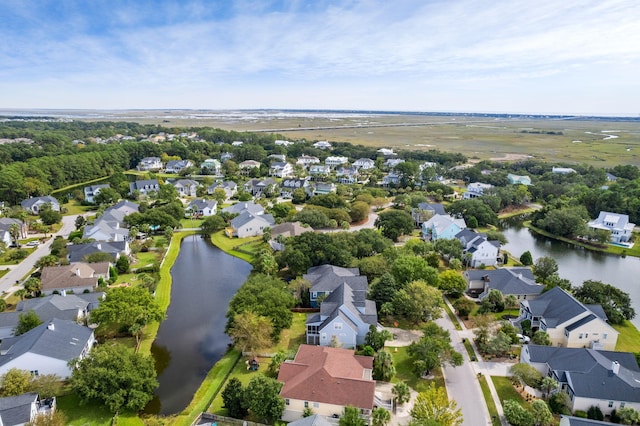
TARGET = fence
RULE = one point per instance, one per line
(207, 419)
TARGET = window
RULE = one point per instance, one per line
(610, 404)
(286, 401)
(306, 404)
(316, 405)
(323, 336)
(337, 326)
(622, 405)
(604, 336)
(34, 373)
(580, 336)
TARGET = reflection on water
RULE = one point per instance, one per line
(191, 339)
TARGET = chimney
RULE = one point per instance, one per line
(99, 246)
(51, 327)
(615, 367)
(77, 272)
(520, 275)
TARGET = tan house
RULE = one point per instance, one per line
(73, 278)
(326, 380)
(568, 322)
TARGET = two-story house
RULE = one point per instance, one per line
(364, 163)
(335, 161)
(149, 164)
(91, 191)
(281, 169)
(618, 224)
(476, 189)
(176, 166)
(144, 187)
(442, 226)
(477, 249)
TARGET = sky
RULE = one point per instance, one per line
(506, 56)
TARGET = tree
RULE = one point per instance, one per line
(418, 302)
(494, 302)
(544, 268)
(351, 417)
(251, 332)
(234, 399)
(464, 307)
(14, 382)
(401, 393)
(130, 307)
(451, 283)
(548, 384)
(595, 413)
(122, 264)
(541, 414)
(116, 377)
(33, 286)
(383, 289)
(383, 368)
(213, 224)
(541, 338)
(46, 385)
(26, 322)
(394, 223)
(434, 407)
(628, 416)
(474, 208)
(380, 417)
(433, 350)
(50, 418)
(106, 196)
(515, 414)
(276, 361)
(526, 259)
(263, 394)
(80, 221)
(359, 211)
(560, 403)
(615, 302)
(407, 268)
(527, 374)
(48, 216)
(376, 339)
(499, 345)
(265, 262)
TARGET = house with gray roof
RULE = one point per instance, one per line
(325, 279)
(144, 187)
(91, 191)
(477, 249)
(426, 211)
(186, 187)
(242, 206)
(568, 322)
(518, 282)
(248, 224)
(176, 166)
(442, 226)
(21, 409)
(110, 226)
(605, 379)
(79, 252)
(202, 208)
(476, 189)
(47, 348)
(578, 421)
(34, 204)
(257, 187)
(312, 420)
(229, 187)
(618, 224)
(344, 318)
(288, 185)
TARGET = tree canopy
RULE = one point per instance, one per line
(394, 223)
(615, 302)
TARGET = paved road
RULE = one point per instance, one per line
(17, 272)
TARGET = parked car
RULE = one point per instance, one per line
(523, 339)
(34, 243)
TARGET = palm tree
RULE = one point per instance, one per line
(380, 417)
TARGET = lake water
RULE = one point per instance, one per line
(577, 264)
(191, 339)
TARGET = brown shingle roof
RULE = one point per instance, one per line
(328, 375)
(73, 275)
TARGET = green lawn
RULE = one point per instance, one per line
(491, 405)
(92, 414)
(402, 362)
(230, 245)
(469, 349)
(505, 390)
(292, 337)
(629, 338)
(241, 373)
(74, 207)
(453, 317)
(4, 258)
(191, 223)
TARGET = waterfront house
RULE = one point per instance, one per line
(202, 208)
(176, 166)
(91, 191)
(478, 251)
(476, 189)
(442, 226)
(518, 282)
(618, 224)
(326, 278)
(149, 164)
(247, 224)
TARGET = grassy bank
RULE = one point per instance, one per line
(629, 338)
(491, 405)
(243, 248)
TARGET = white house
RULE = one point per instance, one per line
(334, 161)
(562, 170)
(364, 163)
(230, 188)
(281, 169)
(110, 226)
(34, 204)
(150, 164)
(476, 189)
(47, 348)
(236, 143)
(618, 224)
(248, 165)
(281, 142)
(212, 165)
(176, 166)
(307, 160)
(250, 225)
(202, 208)
(186, 187)
(392, 162)
(91, 191)
(478, 250)
(322, 145)
(319, 170)
(23, 409)
(386, 152)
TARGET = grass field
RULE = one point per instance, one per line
(505, 390)
(629, 338)
(92, 414)
(248, 246)
(403, 365)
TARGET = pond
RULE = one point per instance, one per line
(191, 339)
(577, 264)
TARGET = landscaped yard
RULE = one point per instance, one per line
(629, 338)
(191, 223)
(92, 414)
(505, 390)
(244, 248)
(74, 207)
(403, 365)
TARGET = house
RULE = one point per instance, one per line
(568, 322)
(230, 188)
(242, 206)
(144, 187)
(392, 162)
(248, 165)
(477, 249)
(605, 379)
(347, 175)
(319, 170)
(518, 180)
(364, 163)
(5, 237)
(518, 282)
(476, 189)
(386, 152)
(237, 143)
(248, 224)
(442, 226)
(257, 187)
(34, 204)
(344, 319)
(73, 278)
(186, 187)
(334, 161)
(578, 421)
(280, 142)
(312, 420)
(149, 164)
(322, 145)
(47, 348)
(226, 156)
(281, 169)
(202, 208)
(79, 252)
(285, 230)
(289, 185)
(176, 166)
(611, 177)
(110, 226)
(391, 178)
(320, 188)
(426, 211)
(307, 160)
(22, 409)
(326, 380)
(212, 166)
(7, 222)
(562, 170)
(277, 157)
(70, 307)
(324, 279)
(618, 224)
(93, 190)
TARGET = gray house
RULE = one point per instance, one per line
(325, 279)
(78, 252)
(91, 191)
(22, 409)
(510, 281)
(34, 204)
(144, 186)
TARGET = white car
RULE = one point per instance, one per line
(32, 244)
(522, 338)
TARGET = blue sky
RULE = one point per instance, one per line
(543, 56)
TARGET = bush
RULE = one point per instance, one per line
(580, 413)
(559, 403)
(595, 413)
